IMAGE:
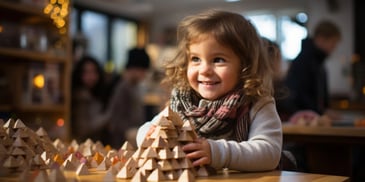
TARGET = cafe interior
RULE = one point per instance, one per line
(41, 41)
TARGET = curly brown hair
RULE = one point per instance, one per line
(231, 30)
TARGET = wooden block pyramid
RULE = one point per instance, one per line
(160, 157)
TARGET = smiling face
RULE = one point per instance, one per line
(213, 69)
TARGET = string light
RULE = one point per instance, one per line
(57, 11)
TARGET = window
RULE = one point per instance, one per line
(281, 29)
(94, 26)
(123, 37)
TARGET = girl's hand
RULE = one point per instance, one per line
(198, 151)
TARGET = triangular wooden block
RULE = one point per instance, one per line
(187, 126)
(171, 175)
(73, 159)
(165, 165)
(41, 176)
(138, 177)
(17, 151)
(98, 158)
(19, 124)
(184, 136)
(185, 163)
(9, 124)
(18, 142)
(149, 153)
(11, 162)
(112, 153)
(137, 154)
(41, 132)
(56, 175)
(174, 117)
(127, 146)
(165, 123)
(126, 172)
(57, 158)
(186, 176)
(172, 134)
(93, 163)
(146, 142)
(131, 163)
(141, 162)
(103, 166)
(165, 153)
(68, 166)
(20, 133)
(159, 142)
(87, 151)
(82, 170)
(37, 159)
(109, 176)
(156, 175)
(175, 164)
(155, 133)
(202, 172)
(178, 152)
(150, 164)
(126, 153)
(113, 170)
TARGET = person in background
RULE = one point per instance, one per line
(87, 99)
(125, 110)
(221, 82)
(307, 77)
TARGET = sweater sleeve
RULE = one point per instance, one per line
(261, 151)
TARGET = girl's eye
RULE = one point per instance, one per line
(195, 59)
(219, 60)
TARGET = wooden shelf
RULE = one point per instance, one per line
(22, 8)
(31, 55)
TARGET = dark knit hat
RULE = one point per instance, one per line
(138, 58)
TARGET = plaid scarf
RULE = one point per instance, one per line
(225, 118)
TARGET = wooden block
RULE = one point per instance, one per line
(82, 170)
(165, 153)
(178, 152)
(137, 154)
(73, 159)
(165, 165)
(186, 176)
(57, 158)
(19, 124)
(126, 172)
(174, 117)
(146, 142)
(127, 146)
(184, 136)
(98, 158)
(109, 176)
(175, 164)
(104, 165)
(20, 133)
(56, 175)
(149, 153)
(18, 142)
(185, 163)
(93, 163)
(187, 126)
(10, 123)
(171, 175)
(138, 177)
(68, 166)
(11, 162)
(156, 175)
(202, 171)
(17, 151)
(41, 132)
(150, 164)
(165, 123)
(41, 176)
(159, 142)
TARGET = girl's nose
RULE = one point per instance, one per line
(205, 68)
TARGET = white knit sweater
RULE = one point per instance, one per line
(260, 152)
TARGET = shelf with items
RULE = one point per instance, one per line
(35, 66)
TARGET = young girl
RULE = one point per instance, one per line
(222, 83)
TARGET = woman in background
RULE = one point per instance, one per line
(87, 99)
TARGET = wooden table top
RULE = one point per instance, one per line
(283, 176)
(324, 131)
